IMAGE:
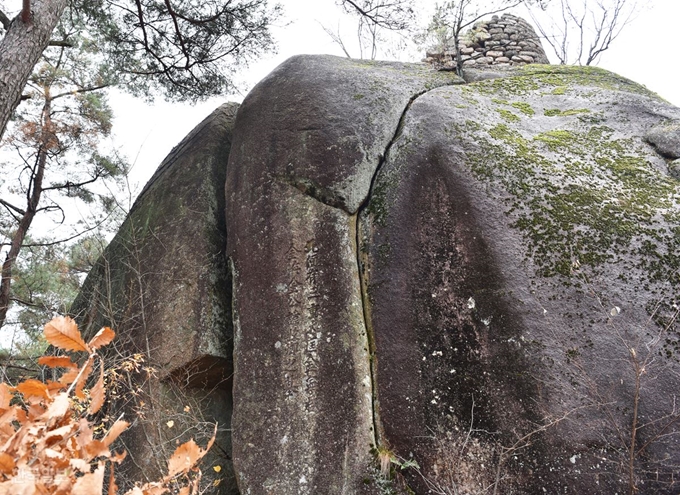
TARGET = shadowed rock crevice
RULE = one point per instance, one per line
(362, 264)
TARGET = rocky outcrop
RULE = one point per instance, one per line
(436, 286)
(501, 41)
(163, 285)
(483, 310)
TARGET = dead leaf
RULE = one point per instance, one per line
(57, 362)
(82, 378)
(52, 386)
(115, 431)
(80, 464)
(184, 458)
(6, 463)
(62, 332)
(90, 483)
(154, 489)
(118, 457)
(69, 377)
(5, 396)
(58, 408)
(113, 488)
(96, 448)
(33, 388)
(103, 337)
(98, 393)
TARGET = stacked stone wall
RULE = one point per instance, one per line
(506, 40)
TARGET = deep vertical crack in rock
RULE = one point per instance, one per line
(362, 267)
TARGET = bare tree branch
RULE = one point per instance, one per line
(5, 21)
(580, 32)
(26, 12)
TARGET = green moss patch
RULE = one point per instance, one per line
(557, 79)
(581, 198)
(507, 115)
(556, 112)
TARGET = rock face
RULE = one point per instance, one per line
(472, 284)
(163, 285)
(486, 309)
(300, 339)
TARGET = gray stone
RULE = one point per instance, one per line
(666, 138)
(674, 169)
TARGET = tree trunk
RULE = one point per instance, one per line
(34, 193)
(20, 50)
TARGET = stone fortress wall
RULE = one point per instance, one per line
(501, 41)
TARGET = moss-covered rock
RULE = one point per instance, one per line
(475, 285)
(522, 270)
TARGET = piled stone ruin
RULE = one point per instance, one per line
(506, 40)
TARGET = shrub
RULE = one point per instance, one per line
(49, 441)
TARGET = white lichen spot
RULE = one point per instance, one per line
(437, 353)
(284, 440)
(277, 345)
(452, 371)
(615, 311)
(303, 480)
(487, 321)
(471, 303)
(281, 288)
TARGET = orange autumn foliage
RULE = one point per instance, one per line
(48, 446)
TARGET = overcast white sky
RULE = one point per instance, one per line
(646, 52)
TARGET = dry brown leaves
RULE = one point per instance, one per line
(48, 447)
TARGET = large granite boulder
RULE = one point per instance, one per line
(477, 281)
(436, 286)
(163, 285)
